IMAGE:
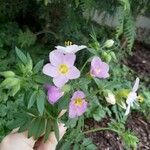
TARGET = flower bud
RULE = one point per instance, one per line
(108, 43)
(107, 56)
(110, 98)
(7, 74)
(10, 82)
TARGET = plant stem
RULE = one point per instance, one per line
(100, 129)
(49, 115)
(84, 65)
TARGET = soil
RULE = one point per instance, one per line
(107, 140)
(140, 60)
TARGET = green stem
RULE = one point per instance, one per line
(49, 115)
(50, 32)
(100, 129)
(84, 64)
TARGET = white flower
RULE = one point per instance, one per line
(132, 97)
(110, 98)
(70, 49)
(109, 43)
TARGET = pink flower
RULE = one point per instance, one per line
(61, 68)
(78, 105)
(53, 93)
(98, 68)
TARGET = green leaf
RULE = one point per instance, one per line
(40, 101)
(37, 128)
(71, 123)
(21, 55)
(20, 120)
(66, 146)
(25, 126)
(30, 63)
(42, 79)
(7, 74)
(76, 147)
(15, 89)
(32, 99)
(26, 38)
(38, 66)
(91, 147)
(48, 129)
(9, 82)
(99, 114)
(56, 130)
(86, 141)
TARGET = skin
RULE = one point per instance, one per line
(19, 141)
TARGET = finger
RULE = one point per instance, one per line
(62, 113)
(51, 143)
(17, 141)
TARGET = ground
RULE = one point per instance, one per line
(106, 140)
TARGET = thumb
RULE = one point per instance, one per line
(17, 141)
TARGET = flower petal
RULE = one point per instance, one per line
(73, 73)
(127, 110)
(103, 75)
(70, 49)
(50, 70)
(60, 81)
(72, 110)
(82, 109)
(96, 61)
(54, 94)
(136, 85)
(78, 94)
(56, 58)
(69, 59)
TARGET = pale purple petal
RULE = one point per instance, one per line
(103, 75)
(50, 70)
(98, 68)
(136, 85)
(60, 81)
(96, 61)
(56, 58)
(69, 59)
(54, 94)
(72, 110)
(82, 109)
(77, 110)
(78, 94)
(105, 67)
(73, 73)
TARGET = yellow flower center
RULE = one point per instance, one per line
(78, 102)
(97, 70)
(63, 69)
(68, 43)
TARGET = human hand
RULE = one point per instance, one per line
(19, 141)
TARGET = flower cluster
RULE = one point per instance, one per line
(61, 68)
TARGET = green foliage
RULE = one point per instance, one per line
(145, 103)
(37, 28)
(129, 139)
(27, 38)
